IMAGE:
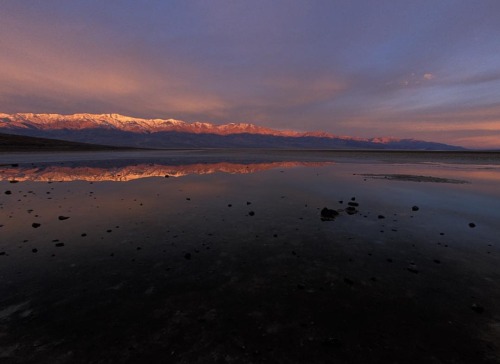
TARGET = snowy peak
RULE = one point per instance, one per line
(121, 130)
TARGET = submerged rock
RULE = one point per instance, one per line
(328, 214)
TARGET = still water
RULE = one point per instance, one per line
(222, 257)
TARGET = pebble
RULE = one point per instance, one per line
(35, 225)
(415, 208)
(63, 217)
(472, 225)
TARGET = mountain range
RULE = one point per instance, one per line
(119, 130)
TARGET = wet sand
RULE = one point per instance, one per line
(230, 266)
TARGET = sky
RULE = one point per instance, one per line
(427, 69)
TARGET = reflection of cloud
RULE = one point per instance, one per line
(428, 76)
(129, 173)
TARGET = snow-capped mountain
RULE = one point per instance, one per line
(119, 130)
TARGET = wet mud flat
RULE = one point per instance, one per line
(243, 267)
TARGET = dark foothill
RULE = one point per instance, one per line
(251, 213)
(353, 204)
(477, 308)
(415, 208)
(328, 214)
(8, 192)
(472, 225)
(59, 244)
(381, 216)
(167, 176)
(187, 256)
(351, 210)
(13, 181)
(35, 225)
(63, 218)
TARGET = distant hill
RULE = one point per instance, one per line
(14, 143)
(119, 130)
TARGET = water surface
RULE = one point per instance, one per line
(217, 256)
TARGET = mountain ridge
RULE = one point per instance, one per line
(120, 130)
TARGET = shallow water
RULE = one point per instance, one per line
(227, 259)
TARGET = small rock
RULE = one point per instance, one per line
(381, 216)
(34, 250)
(59, 244)
(248, 203)
(63, 218)
(415, 208)
(187, 256)
(348, 281)
(328, 214)
(8, 192)
(351, 210)
(472, 225)
(477, 308)
(412, 268)
(36, 225)
(355, 204)
(3, 253)
(251, 213)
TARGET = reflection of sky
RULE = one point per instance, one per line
(425, 69)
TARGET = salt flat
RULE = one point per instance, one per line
(222, 256)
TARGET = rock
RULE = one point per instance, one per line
(381, 216)
(3, 253)
(348, 281)
(412, 268)
(351, 210)
(34, 250)
(248, 203)
(251, 213)
(477, 308)
(415, 208)
(472, 225)
(59, 244)
(8, 192)
(35, 225)
(437, 261)
(63, 218)
(13, 181)
(187, 256)
(328, 214)
(355, 204)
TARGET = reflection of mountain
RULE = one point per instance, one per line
(132, 172)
